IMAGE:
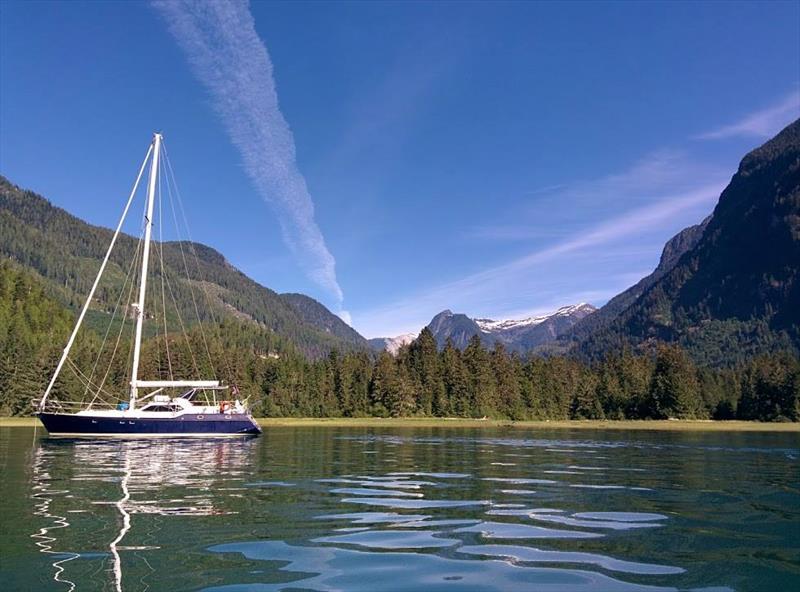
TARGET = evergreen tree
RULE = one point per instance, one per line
(358, 366)
(769, 389)
(586, 404)
(455, 382)
(507, 383)
(426, 373)
(32, 327)
(392, 393)
(480, 381)
(673, 387)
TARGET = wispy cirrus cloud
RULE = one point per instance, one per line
(646, 181)
(654, 196)
(231, 61)
(764, 123)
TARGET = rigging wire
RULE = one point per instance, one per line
(102, 346)
(134, 259)
(89, 382)
(163, 272)
(114, 313)
(156, 317)
(189, 278)
(128, 276)
(215, 324)
(183, 327)
(139, 307)
(82, 377)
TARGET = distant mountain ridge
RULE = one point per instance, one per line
(521, 336)
(66, 252)
(391, 344)
(456, 327)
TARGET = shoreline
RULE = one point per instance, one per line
(445, 422)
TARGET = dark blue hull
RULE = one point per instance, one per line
(217, 424)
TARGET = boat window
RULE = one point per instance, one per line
(170, 408)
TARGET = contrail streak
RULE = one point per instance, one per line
(230, 60)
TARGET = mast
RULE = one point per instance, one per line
(148, 220)
(68, 347)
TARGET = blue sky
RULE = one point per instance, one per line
(496, 159)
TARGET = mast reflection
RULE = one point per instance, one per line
(43, 496)
(126, 524)
(133, 476)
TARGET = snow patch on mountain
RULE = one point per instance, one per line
(392, 344)
(491, 326)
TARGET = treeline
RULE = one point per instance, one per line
(420, 381)
(478, 383)
(33, 330)
(35, 326)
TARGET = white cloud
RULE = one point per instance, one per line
(658, 191)
(228, 57)
(761, 124)
(567, 206)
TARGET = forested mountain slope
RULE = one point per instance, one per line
(736, 292)
(311, 311)
(66, 252)
(680, 243)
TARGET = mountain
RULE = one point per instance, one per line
(391, 344)
(733, 291)
(66, 253)
(459, 328)
(528, 334)
(314, 313)
(516, 335)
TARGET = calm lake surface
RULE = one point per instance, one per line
(370, 509)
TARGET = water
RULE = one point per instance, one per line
(367, 509)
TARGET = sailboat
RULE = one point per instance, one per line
(196, 411)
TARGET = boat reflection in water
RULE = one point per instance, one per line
(93, 496)
(43, 494)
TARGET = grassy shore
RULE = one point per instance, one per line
(437, 422)
(412, 422)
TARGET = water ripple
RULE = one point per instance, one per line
(441, 512)
(509, 530)
(334, 569)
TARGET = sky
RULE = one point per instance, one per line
(395, 159)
